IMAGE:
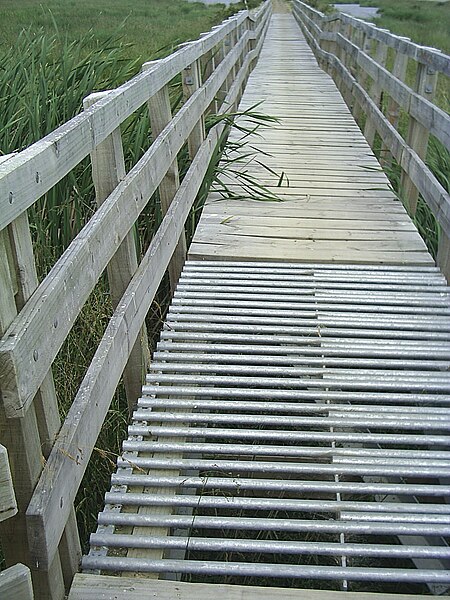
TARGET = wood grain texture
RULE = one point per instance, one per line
(108, 170)
(8, 505)
(336, 204)
(103, 587)
(15, 583)
(412, 165)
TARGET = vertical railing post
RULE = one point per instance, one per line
(443, 255)
(375, 93)
(345, 30)
(360, 40)
(29, 438)
(192, 81)
(160, 113)
(108, 169)
(418, 135)
(393, 109)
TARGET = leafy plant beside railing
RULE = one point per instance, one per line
(231, 160)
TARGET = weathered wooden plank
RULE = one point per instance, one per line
(408, 238)
(15, 582)
(418, 135)
(32, 342)
(62, 474)
(103, 587)
(299, 246)
(160, 116)
(108, 170)
(434, 194)
(30, 437)
(8, 504)
(274, 251)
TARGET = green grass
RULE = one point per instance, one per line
(425, 22)
(147, 25)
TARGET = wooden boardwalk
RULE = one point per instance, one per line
(338, 206)
(293, 426)
(288, 405)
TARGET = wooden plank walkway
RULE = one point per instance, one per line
(338, 206)
(294, 426)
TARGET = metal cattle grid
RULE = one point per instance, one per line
(294, 426)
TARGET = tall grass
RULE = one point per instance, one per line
(38, 93)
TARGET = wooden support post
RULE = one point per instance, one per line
(359, 74)
(418, 135)
(227, 43)
(192, 81)
(160, 116)
(8, 504)
(375, 93)
(108, 169)
(393, 109)
(15, 583)
(29, 438)
(345, 30)
(443, 256)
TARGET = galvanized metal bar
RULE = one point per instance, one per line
(348, 383)
(359, 353)
(262, 570)
(251, 545)
(442, 377)
(271, 387)
(299, 296)
(313, 361)
(291, 436)
(296, 330)
(246, 264)
(186, 301)
(425, 424)
(239, 484)
(280, 504)
(292, 407)
(284, 468)
(319, 452)
(299, 395)
(276, 524)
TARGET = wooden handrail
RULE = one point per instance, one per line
(34, 332)
(351, 65)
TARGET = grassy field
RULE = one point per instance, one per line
(147, 25)
(426, 22)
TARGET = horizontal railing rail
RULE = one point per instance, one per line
(356, 54)
(36, 318)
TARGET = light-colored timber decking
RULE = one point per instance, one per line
(292, 429)
(293, 426)
(338, 206)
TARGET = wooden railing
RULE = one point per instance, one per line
(15, 582)
(357, 55)
(49, 459)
